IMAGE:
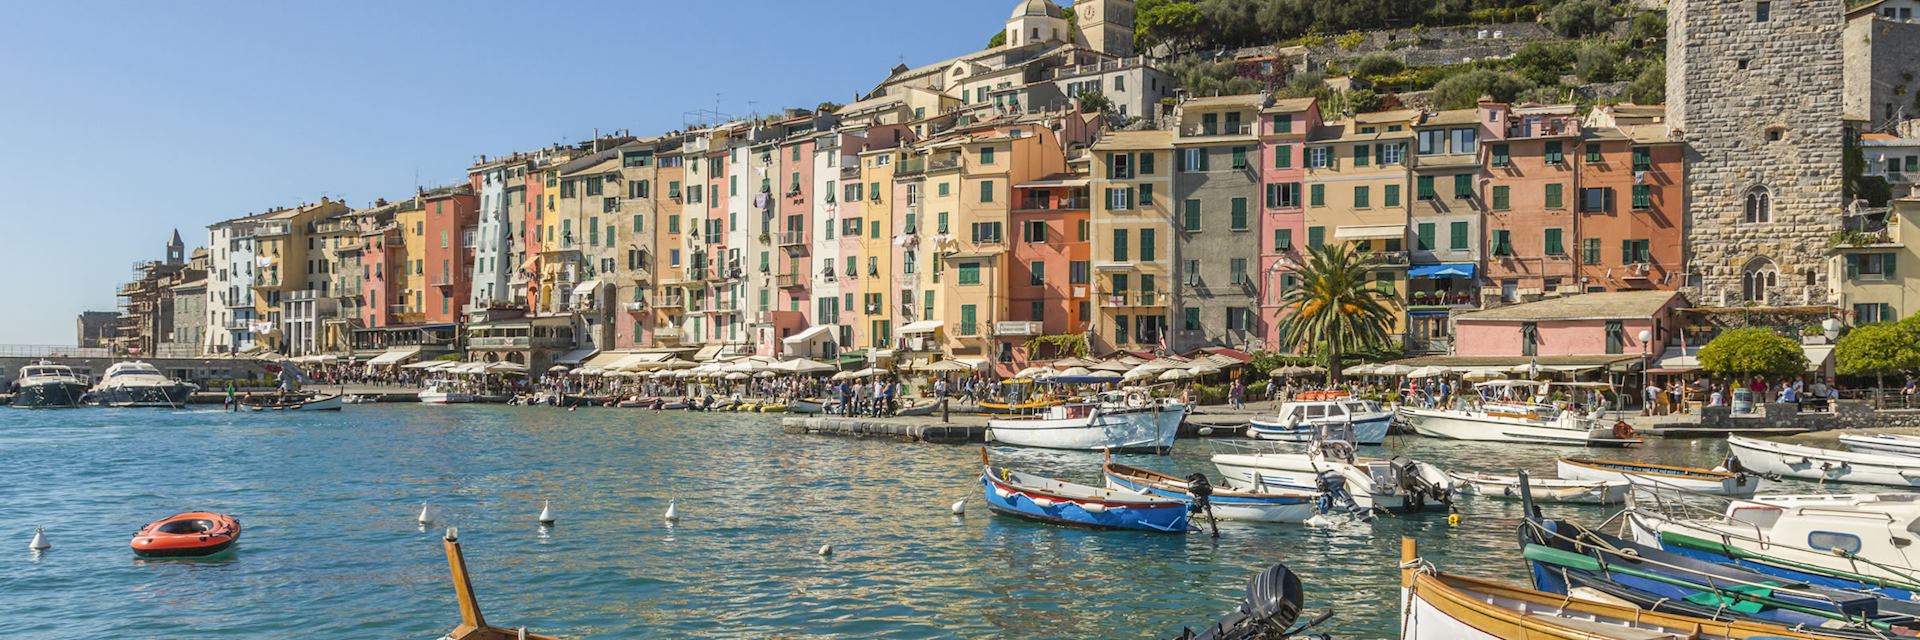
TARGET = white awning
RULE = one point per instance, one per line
(812, 333)
(587, 288)
(707, 353)
(923, 326)
(976, 364)
(576, 356)
(1817, 356)
(394, 356)
(1370, 232)
(1686, 359)
(606, 359)
(430, 364)
(638, 361)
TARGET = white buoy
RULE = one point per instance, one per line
(826, 550)
(1318, 521)
(546, 513)
(960, 508)
(39, 540)
(426, 514)
(1206, 431)
(673, 510)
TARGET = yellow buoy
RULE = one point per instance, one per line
(1453, 519)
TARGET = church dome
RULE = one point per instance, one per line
(1037, 8)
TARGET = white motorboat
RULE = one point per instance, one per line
(295, 403)
(45, 385)
(1883, 443)
(1708, 481)
(1303, 420)
(436, 394)
(1399, 484)
(139, 384)
(1543, 489)
(1824, 465)
(1489, 419)
(1867, 535)
(1116, 422)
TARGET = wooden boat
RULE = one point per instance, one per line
(1442, 606)
(924, 409)
(1021, 495)
(1544, 490)
(1889, 444)
(1709, 481)
(1824, 465)
(473, 625)
(1117, 422)
(1274, 601)
(1399, 485)
(293, 403)
(1563, 557)
(1839, 541)
(809, 406)
(1227, 504)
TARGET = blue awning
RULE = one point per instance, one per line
(1464, 270)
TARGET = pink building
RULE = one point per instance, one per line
(1283, 130)
(1603, 326)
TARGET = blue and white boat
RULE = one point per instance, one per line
(1300, 420)
(1051, 501)
(1247, 506)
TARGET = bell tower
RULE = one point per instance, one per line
(1106, 25)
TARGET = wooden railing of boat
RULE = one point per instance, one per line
(473, 625)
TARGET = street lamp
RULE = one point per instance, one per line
(1831, 328)
(1646, 362)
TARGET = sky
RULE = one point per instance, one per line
(121, 121)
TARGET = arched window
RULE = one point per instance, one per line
(1759, 206)
(1758, 279)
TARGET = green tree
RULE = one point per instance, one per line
(1744, 353)
(1178, 25)
(1596, 62)
(1378, 64)
(998, 40)
(1576, 18)
(1877, 350)
(1334, 309)
(1092, 101)
(1464, 90)
(1649, 29)
(1650, 86)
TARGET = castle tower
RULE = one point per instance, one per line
(1755, 85)
(1106, 25)
(176, 250)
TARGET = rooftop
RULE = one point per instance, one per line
(1244, 101)
(1614, 305)
(1136, 140)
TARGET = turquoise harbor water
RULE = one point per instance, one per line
(328, 502)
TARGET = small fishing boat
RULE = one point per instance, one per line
(293, 403)
(1299, 420)
(436, 394)
(1544, 490)
(922, 409)
(1710, 481)
(1226, 504)
(773, 407)
(673, 406)
(1399, 485)
(1563, 557)
(187, 535)
(1118, 421)
(1444, 606)
(1859, 542)
(473, 625)
(359, 398)
(1490, 419)
(637, 403)
(1824, 465)
(746, 407)
(1274, 601)
(1882, 444)
(808, 406)
(1021, 495)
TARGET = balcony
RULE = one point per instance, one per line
(1100, 67)
(850, 173)
(967, 329)
(1018, 328)
(681, 280)
(443, 280)
(1389, 258)
(276, 228)
(638, 306)
(790, 239)
(1201, 131)
(1551, 127)
(670, 302)
(942, 164)
(666, 333)
(1134, 299)
(519, 342)
(1054, 204)
(790, 280)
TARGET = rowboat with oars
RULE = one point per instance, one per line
(1712, 481)
(1022, 495)
(1824, 465)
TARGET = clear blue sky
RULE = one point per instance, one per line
(121, 121)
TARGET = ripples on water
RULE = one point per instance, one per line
(329, 502)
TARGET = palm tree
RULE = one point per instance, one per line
(1335, 309)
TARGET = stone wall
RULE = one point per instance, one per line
(1733, 83)
(1882, 70)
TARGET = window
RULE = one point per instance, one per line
(1191, 269)
(1642, 197)
(1039, 274)
(1193, 160)
(1431, 142)
(1239, 158)
(639, 189)
(1119, 199)
(942, 225)
(1237, 271)
(1463, 186)
(1423, 236)
(1759, 207)
(986, 191)
(1034, 231)
(1146, 163)
(1190, 215)
(1758, 280)
(1238, 214)
(1457, 235)
(1529, 339)
(1554, 246)
(1283, 123)
(1592, 253)
(1554, 153)
(1872, 312)
(1616, 337)
(943, 189)
(1360, 152)
(1284, 195)
(1147, 245)
(1119, 245)
(1502, 244)
(1120, 329)
(1500, 198)
(1361, 198)
(1762, 12)
(1423, 188)
(1642, 159)
(1319, 157)
(1500, 156)
(1146, 195)
(1283, 156)
(1554, 199)
(1084, 231)
(1190, 319)
(1465, 140)
(1317, 195)
(1282, 239)
(969, 320)
(1395, 153)
(1391, 196)
(1119, 166)
(986, 157)
(1593, 153)
(1079, 272)
(1597, 199)
(1316, 236)
(969, 273)
(983, 232)
(1870, 266)
(1635, 251)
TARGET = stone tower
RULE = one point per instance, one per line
(176, 250)
(1755, 86)
(1106, 25)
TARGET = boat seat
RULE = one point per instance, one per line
(1604, 630)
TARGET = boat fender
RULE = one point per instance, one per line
(1094, 507)
(1042, 502)
(1003, 493)
(1622, 430)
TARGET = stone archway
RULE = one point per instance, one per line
(1758, 279)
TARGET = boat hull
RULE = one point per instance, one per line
(1005, 499)
(1824, 465)
(1147, 430)
(327, 403)
(1823, 569)
(170, 395)
(49, 395)
(1882, 444)
(1370, 432)
(1300, 473)
(445, 397)
(1460, 425)
(1738, 485)
(808, 407)
(1545, 491)
(1231, 506)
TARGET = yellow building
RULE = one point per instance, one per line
(1357, 191)
(992, 157)
(1877, 271)
(875, 287)
(288, 253)
(1132, 236)
(412, 303)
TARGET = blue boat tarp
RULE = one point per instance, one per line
(1462, 270)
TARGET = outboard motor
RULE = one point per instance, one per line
(1333, 493)
(1273, 603)
(1416, 486)
(1201, 489)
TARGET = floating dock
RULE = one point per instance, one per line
(962, 430)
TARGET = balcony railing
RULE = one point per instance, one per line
(271, 229)
(666, 333)
(1134, 299)
(941, 164)
(850, 173)
(788, 280)
(638, 306)
(1219, 130)
(1018, 328)
(967, 329)
(1054, 204)
(790, 238)
(670, 302)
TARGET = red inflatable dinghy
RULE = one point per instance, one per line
(187, 535)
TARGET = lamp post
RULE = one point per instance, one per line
(1646, 362)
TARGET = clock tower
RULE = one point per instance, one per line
(1106, 25)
